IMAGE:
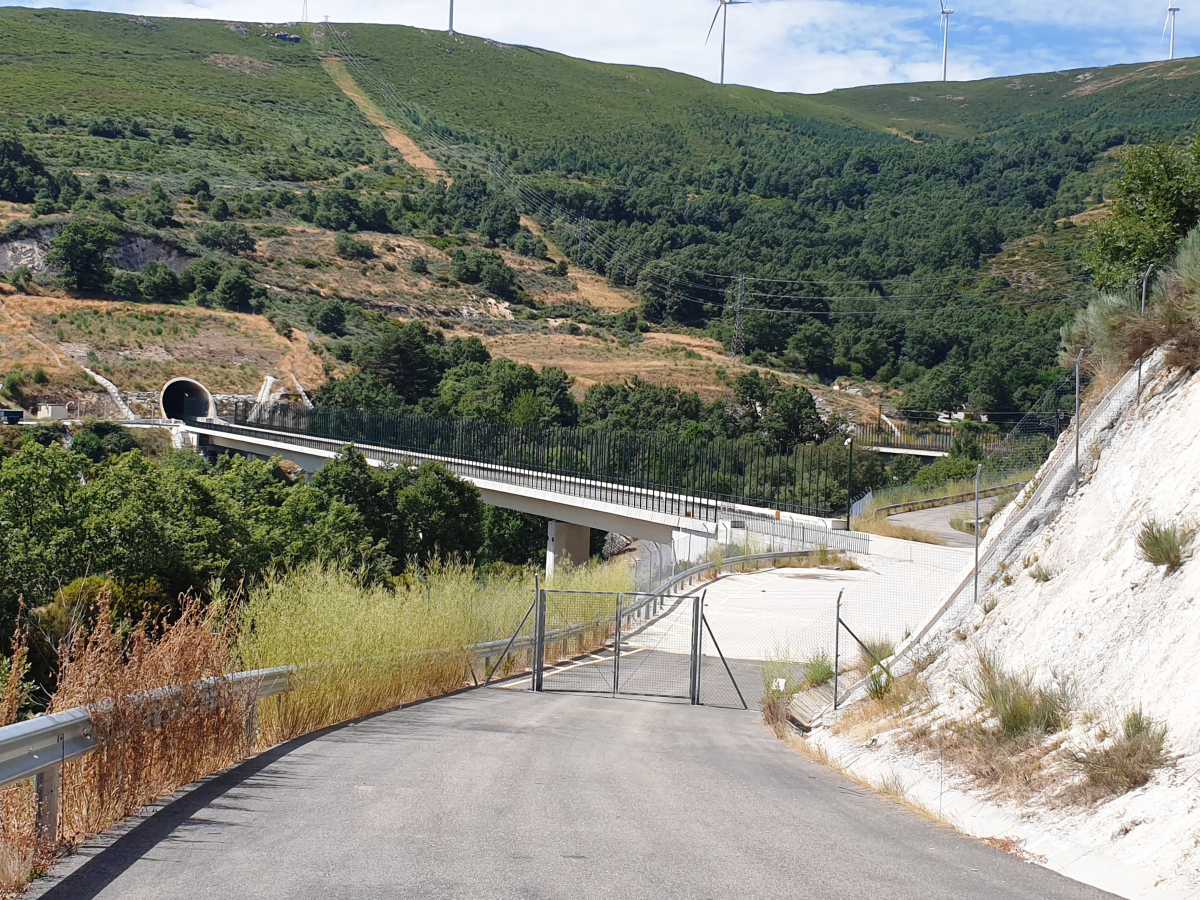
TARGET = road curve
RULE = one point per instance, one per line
(503, 794)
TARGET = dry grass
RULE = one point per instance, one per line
(1126, 761)
(1165, 545)
(22, 851)
(146, 748)
(884, 527)
(360, 649)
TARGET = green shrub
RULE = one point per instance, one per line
(20, 277)
(348, 247)
(125, 286)
(1023, 710)
(159, 283)
(1127, 761)
(232, 237)
(818, 670)
(420, 265)
(219, 209)
(1164, 545)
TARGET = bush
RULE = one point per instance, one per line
(125, 286)
(159, 283)
(231, 237)
(1023, 710)
(20, 277)
(420, 265)
(818, 670)
(352, 248)
(219, 209)
(233, 291)
(1127, 761)
(197, 187)
(1164, 545)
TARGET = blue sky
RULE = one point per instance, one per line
(785, 45)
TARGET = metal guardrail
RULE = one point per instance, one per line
(37, 748)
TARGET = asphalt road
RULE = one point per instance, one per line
(498, 794)
(936, 520)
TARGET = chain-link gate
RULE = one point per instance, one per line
(621, 644)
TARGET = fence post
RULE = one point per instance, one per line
(539, 643)
(1145, 284)
(978, 469)
(837, 633)
(693, 673)
(1078, 360)
(617, 646)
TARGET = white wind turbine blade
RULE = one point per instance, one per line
(720, 6)
(1166, 25)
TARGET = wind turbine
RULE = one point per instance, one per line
(1171, 10)
(723, 11)
(451, 18)
(947, 12)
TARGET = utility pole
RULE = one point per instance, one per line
(738, 346)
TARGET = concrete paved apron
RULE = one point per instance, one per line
(502, 794)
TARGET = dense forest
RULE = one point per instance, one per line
(860, 233)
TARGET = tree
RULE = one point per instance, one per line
(233, 291)
(232, 237)
(791, 418)
(159, 283)
(82, 250)
(22, 174)
(1157, 201)
(125, 286)
(500, 220)
(99, 440)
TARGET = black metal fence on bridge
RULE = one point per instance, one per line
(931, 438)
(807, 479)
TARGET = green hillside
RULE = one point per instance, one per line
(905, 233)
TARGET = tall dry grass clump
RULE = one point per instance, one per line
(146, 747)
(22, 850)
(1165, 544)
(361, 649)
(1127, 760)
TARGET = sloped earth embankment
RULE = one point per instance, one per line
(1077, 608)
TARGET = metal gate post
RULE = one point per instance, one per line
(539, 643)
(700, 644)
(617, 646)
(694, 669)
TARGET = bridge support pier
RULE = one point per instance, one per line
(566, 541)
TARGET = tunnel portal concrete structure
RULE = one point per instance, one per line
(184, 397)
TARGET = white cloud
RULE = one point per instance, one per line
(787, 45)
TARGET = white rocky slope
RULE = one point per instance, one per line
(1123, 633)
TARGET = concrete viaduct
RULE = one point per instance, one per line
(572, 506)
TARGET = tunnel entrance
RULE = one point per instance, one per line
(182, 397)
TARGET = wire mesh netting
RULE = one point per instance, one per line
(579, 635)
(656, 645)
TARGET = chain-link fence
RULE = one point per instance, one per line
(1035, 506)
